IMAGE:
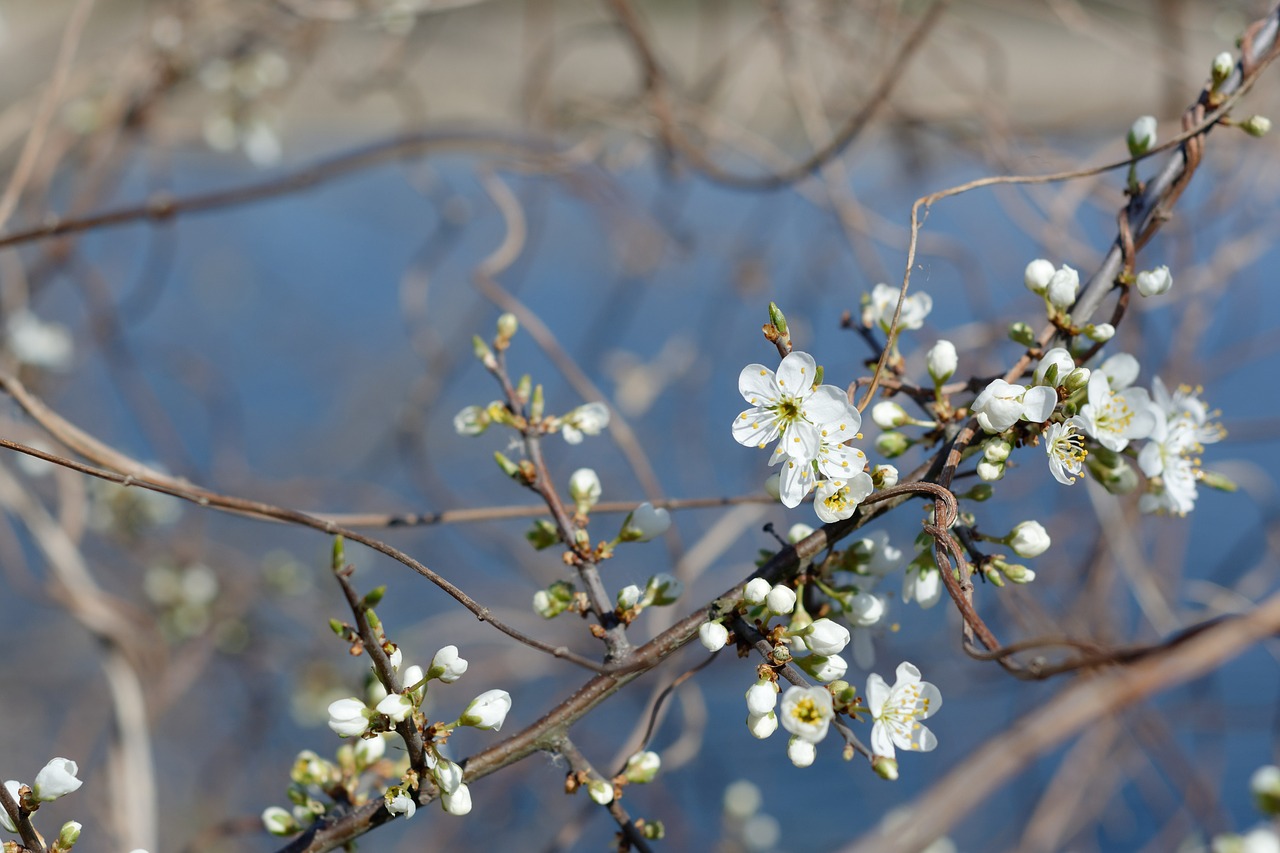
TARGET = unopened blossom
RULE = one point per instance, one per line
(1001, 405)
(1064, 442)
(458, 802)
(798, 532)
(801, 752)
(889, 415)
(35, 342)
(824, 637)
(348, 717)
(1264, 784)
(628, 597)
(756, 591)
(941, 361)
(397, 706)
(1058, 357)
(448, 665)
(587, 419)
(1142, 136)
(277, 821)
(1223, 64)
(369, 750)
(989, 471)
(473, 420)
(487, 711)
(762, 697)
(1063, 288)
(13, 786)
(837, 499)
(787, 406)
(898, 710)
(824, 669)
(807, 712)
(584, 488)
(662, 589)
(56, 779)
(922, 585)
(879, 305)
(996, 450)
(1037, 275)
(713, 636)
(643, 767)
(873, 554)
(448, 775)
(600, 791)
(866, 612)
(1029, 539)
(401, 803)
(1114, 418)
(413, 676)
(781, 600)
(1100, 332)
(1154, 282)
(1256, 125)
(68, 835)
(763, 725)
(644, 523)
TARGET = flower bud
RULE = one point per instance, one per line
(756, 591)
(1037, 275)
(990, 471)
(584, 488)
(801, 752)
(884, 476)
(773, 486)
(600, 791)
(663, 589)
(70, 834)
(892, 444)
(448, 775)
(56, 779)
(508, 325)
(447, 665)
(941, 361)
(889, 415)
(1100, 333)
(642, 767)
(826, 638)
(1256, 125)
(487, 711)
(397, 706)
(542, 535)
(762, 726)
(1077, 379)
(824, 668)
(628, 597)
(1016, 572)
(458, 802)
(277, 821)
(1154, 282)
(1022, 333)
(472, 420)
(398, 801)
(781, 600)
(798, 533)
(762, 697)
(1223, 64)
(547, 606)
(13, 786)
(885, 767)
(482, 353)
(1265, 785)
(865, 610)
(369, 751)
(979, 492)
(1142, 136)
(1216, 480)
(644, 523)
(1028, 539)
(996, 450)
(1063, 288)
(348, 717)
(713, 636)
(1054, 367)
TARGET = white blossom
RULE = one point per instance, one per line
(1029, 539)
(370, 750)
(824, 637)
(798, 532)
(403, 804)
(13, 785)
(885, 476)
(781, 600)
(1065, 445)
(628, 597)
(348, 717)
(1056, 356)
(801, 752)
(825, 669)
(924, 586)
(788, 406)
(587, 419)
(600, 791)
(458, 802)
(584, 488)
(941, 361)
(487, 711)
(762, 697)
(277, 821)
(397, 706)
(644, 523)
(447, 665)
(807, 712)
(889, 415)
(756, 591)
(837, 499)
(897, 711)
(1142, 135)
(37, 343)
(472, 420)
(1002, 404)
(1114, 418)
(1037, 275)
(878, 308)
(1063, 287)
(56, 779)
(643, 767)
(713, 636)
(1154, 282)
(762, 726)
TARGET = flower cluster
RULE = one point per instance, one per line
(811, 423)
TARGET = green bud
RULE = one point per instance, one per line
(1221, 482)
(508, 325)
(373, 597)
(67, 836)
(885, 767)
(777, 318)
(892, 444)
(542, 535)
(483, 353)
(1017, 573)
(1223, 64)
(339, 554)
(654, 830)
(508, 467)
(1021, 333)
(980, 492)
(993, 576)
(277, 821)
(1077, 380)
(538, 404)
(371, 617)
(338, 628)
(1256, 125)
(524, 388)
(662, 589)
(562, 591)
(1265, 785)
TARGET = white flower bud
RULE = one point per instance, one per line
(762, 726)
(1018, 573)
(600, 791)
(1100, 332)
(447, 774)
(401, 803)
(885, 767)
(1256, 125)
(370, 750)
(348, 717)
(866, 610)
(1029, 539)
(447, 665)
(1037, 275)
(884, 476)
(713, 636)
(1223, 64)
(1058, 357)
(990, 471)
(459, 802)
(584, 488)
(587, 419)
(825, 637)
(472, 420)
(942, 361)
(56, 779)
(1265, 785)
(643, 767)
(13, 785)
(762, 697)
(781, 600)
(487, 711)
(825, 669)
(397, 706)
(70, 834)
(801, 752)
(628, 597)
(1142, 136)
(1063, 288)
(663, 589)
(773, 486)
(923, 586)
(757, 591)
(1154, 282)
(644, 523)
(798, 532)
(889, 415)
(412, 675)
(996, 450)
